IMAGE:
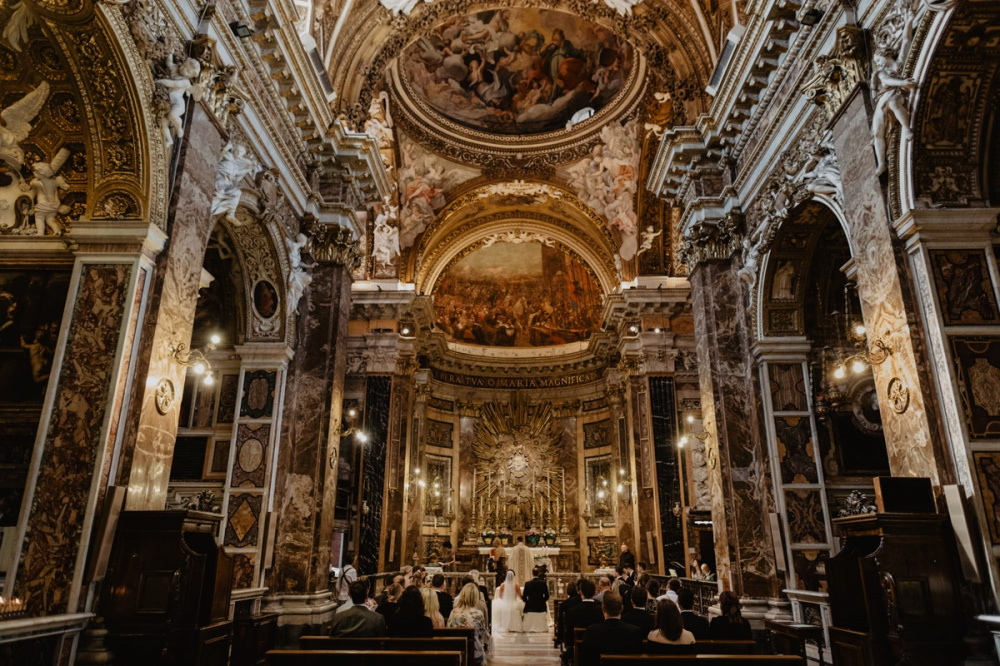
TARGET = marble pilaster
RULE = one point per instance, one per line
(735, 450)
(148, 447)
(91, 370)
(911, 423)
(413, 460)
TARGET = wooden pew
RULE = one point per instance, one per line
(701, 647)
(701, 660)
(468, 633)
(456, 643)
(363, 658)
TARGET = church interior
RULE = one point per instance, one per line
(301, 293)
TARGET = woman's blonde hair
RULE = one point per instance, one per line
(468, 597)
(431, 603)
(393, 591)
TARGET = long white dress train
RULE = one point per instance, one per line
(507, 607)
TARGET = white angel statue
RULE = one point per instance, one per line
(180, 84)
(45, 187)
(17, 124)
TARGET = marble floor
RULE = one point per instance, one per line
(519, 648)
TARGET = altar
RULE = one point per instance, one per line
(541, 555)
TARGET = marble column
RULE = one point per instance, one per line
(395, 473)
(412, 495)
(913, 436)
(91, 370)
(643, 472)
(306, 478)
(735, 449)
(149, 445)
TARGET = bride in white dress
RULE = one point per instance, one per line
(507, 607)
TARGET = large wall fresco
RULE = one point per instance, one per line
(516, 71)
(518, 295)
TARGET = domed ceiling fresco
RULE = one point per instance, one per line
(516, 71)
(529, 294)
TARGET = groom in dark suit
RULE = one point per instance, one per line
(536, 597)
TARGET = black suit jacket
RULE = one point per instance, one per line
(612, 636)
(445, 602)
(627, 559)
(535, 595)
(721, 629)
(641, 618)
(696, 624)
(584, 614)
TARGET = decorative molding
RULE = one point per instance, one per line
(713, 240)
(332, 243)
(836, 75)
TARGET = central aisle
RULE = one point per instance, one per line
(520, 648)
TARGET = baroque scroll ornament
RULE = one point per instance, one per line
(397, 7)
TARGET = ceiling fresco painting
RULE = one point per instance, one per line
(527, 294)
(517, 71)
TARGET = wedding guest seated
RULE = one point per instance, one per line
(730, 626)
(445, 601)
(467, 613)
(409, 620)
(603, 585)
(673, 586)
(584, 614)
(388, 580)
(639, 576)
(693, 622)
(432, 607)
(612, 636)
(358, 621)
(638, 615)
(571, 601)
(484, 595)
(652, 594)
(388, 607)
(669, 625)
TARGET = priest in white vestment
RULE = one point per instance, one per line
(521, 561)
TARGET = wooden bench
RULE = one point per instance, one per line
(701, 660)
(700, 647)
(468, 633)
(363, 658)
(451, 644)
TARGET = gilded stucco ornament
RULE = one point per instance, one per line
(836, 75)
(718, 239)
(332, 243)
(164, 396)
(898, 394)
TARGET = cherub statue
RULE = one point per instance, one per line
(385, 244)
(648, 236)
(45, 187)
(180, 84)
(891, 96)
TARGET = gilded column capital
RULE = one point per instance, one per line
(837, 74)
(332, 243)
(713, 240)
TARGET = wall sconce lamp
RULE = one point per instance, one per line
(349, 426)
(197, 359)
(624, 487)
(414, 480)
(875, 353)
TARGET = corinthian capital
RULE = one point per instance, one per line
(332, 243)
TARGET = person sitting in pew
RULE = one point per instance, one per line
(358, 621)
(467, 613)
(612, 636)
(388, 607)
(432, 608)
(693, 622)
(730, 626)
(669, 625)
(409, 620)
(638, 615)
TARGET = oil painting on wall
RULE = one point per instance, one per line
(31, 307)
(518, 295)
(516, 71)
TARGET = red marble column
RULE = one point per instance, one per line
(306, 479)
(736, 451)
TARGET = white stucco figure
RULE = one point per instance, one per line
(892, 93)
(180, 84)
(236, 163)
(385, 241)
(17, 124)
(16, 30)
(648, 236)
(45, 188)
(298, 278)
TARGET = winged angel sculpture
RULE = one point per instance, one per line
(15, 196)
